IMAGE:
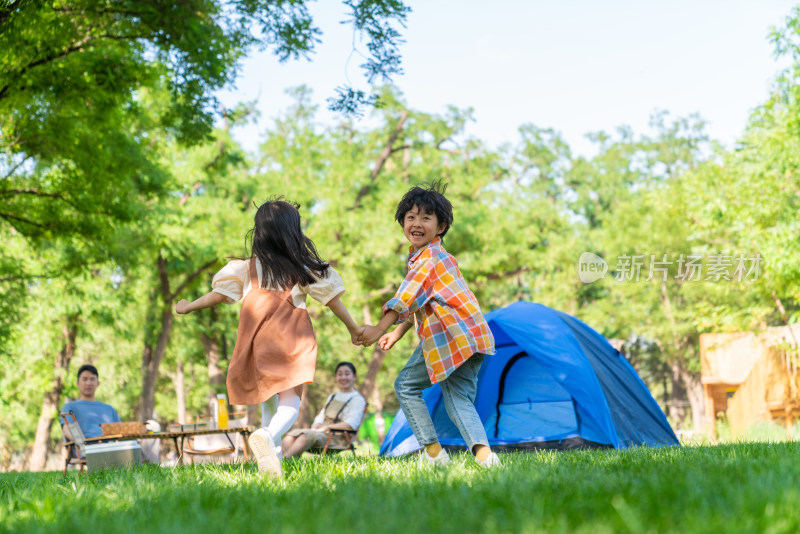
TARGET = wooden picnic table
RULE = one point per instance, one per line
(178, 438)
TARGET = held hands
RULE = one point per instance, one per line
(370, 335)
(355, 335)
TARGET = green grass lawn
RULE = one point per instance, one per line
(746, 487)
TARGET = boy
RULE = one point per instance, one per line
(455, 336)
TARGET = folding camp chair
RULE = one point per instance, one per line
(76, 449)
(349, 438)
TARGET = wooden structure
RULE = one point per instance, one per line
(751, 377)
(178, 438)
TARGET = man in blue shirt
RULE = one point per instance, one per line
(89, 412)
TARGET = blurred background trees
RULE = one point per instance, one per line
(121, 194)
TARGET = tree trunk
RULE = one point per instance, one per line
(685, 385)
(371, 392)
(180, 392)
(306, 416)
(406, 163)
(154, 353)
(151, 360)
(694, 391)
(52, 398)
(211, 346)
(382, 158)
(369, 388)
(677, 408)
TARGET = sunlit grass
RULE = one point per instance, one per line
(746, 487)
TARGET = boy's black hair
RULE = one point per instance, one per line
(429, 198)
(346, 364)
(287, 256)
(87, 367)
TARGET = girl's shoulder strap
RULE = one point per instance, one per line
(253, 273)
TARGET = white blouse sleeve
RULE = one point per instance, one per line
(324, 289)
(230, 281)
(354, 411)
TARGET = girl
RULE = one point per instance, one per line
(275, 352)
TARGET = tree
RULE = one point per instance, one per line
(632, 198)
(76, 152)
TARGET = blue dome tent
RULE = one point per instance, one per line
(554, 383)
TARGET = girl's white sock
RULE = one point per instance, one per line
(268, 409)
(285, 415)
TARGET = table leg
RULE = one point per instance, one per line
(245, 445)
(178, 450)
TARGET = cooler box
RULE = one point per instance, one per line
(113, 454)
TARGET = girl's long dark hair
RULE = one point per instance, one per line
(286, 255)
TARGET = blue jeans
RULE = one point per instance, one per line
(458, 393)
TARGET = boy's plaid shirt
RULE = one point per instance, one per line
(448, 317)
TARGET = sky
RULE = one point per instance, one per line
(577, 66)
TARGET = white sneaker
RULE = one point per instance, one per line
(491, 461)
(440, 460)
(264, 450)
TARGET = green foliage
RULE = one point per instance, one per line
(107, 215)
(78, 128)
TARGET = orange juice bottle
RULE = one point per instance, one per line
(222, 411)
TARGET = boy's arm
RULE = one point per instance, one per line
(414, 292)
(208, 300)
(401, 330)
(373, 333)
(387, 341)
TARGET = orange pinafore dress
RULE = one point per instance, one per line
(275, 346)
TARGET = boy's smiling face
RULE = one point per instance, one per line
(421, 227)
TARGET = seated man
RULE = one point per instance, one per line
(91, 413)
(343, 410)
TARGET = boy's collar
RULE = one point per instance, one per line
(434, 247)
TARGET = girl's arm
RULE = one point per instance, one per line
(340, 310)
(208, 300)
